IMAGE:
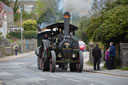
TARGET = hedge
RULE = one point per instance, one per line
(26, 35)
(30, 25)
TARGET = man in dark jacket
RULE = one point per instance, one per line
(96, 52)
(112, 55)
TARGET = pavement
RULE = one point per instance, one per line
(87, 67)
(7, 58)
(114, 72)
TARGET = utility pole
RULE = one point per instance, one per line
(21, 9)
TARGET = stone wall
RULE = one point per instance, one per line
(28, 45)
(6, 51)
(124, 54)
(91, 59)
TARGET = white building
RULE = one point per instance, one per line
(29, 5)
(6, 18)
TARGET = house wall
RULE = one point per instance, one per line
(6, 18)
(4, 28)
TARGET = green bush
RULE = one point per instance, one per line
(30, 25)
(26, 35)
(0, 35)
(30, 34)
(125, 68)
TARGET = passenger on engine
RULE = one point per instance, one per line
(45, 36)
(60, 36)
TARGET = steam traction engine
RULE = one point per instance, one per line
(57, 46)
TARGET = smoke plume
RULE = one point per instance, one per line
(80, 7)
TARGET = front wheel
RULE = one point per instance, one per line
(73, 67)
(38, 63)
(80, 62)
(53, 61)
(65, 67)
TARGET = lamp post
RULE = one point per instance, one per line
(21, 9)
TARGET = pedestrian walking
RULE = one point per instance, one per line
(112, 55)
(16, 50)
(15, 47)
(107, 58)
(96, 52)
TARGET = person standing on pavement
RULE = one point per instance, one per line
(107, 58)
(96, 52)
(112, 55)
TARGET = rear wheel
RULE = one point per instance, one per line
(44, 65)
(53, 61)
(79, 65)
(45, 62)
(45, 56)
(38, 63)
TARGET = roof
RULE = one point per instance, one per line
(61, 25)
(6, 9)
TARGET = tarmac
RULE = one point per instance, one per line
(87, 67)
(1, 83)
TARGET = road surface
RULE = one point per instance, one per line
(23, 71)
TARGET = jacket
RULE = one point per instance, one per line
(96, 52)
(112, 51)
(106, 55)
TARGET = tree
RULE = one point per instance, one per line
(99, 6)
(47, 17)
(123, 2)
(111, 24)
(95, 22)
(16, 6)
(114, 26)
(43, 5)
(30, 25)
(82, 29)
(7, 2)
(49, 12)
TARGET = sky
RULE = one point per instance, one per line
(80, 7)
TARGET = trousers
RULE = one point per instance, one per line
(96, 63)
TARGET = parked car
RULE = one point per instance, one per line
(82, 45)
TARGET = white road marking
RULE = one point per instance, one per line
(30, 79)
(55, 76)
(26, 81)
(91, 84)
(2, 67)
(5, 74)
(13, 63)
(74, 80)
